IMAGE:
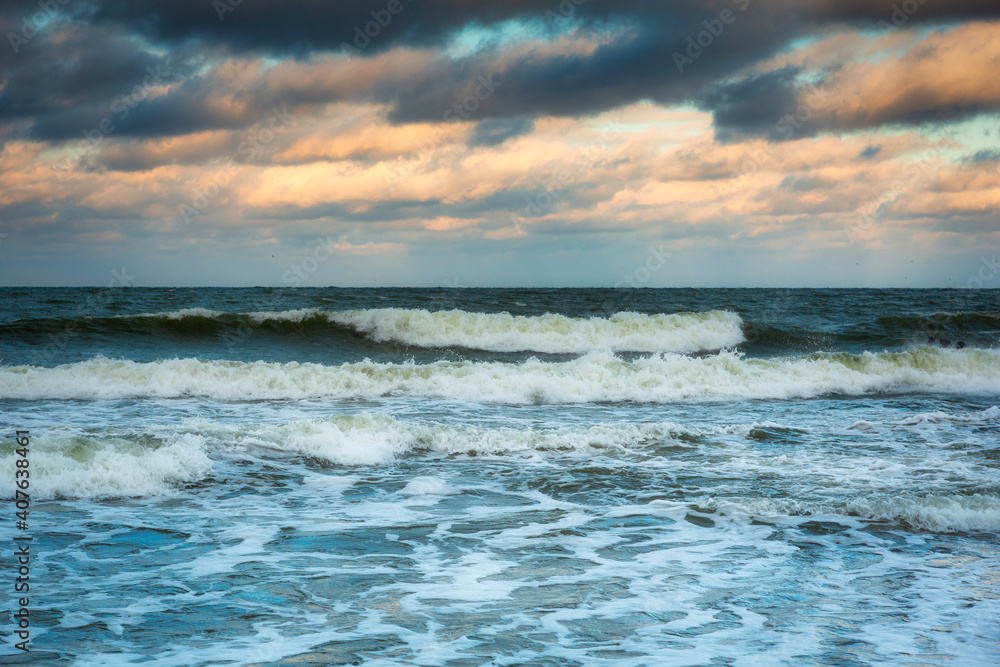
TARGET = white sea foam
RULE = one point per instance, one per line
(502, 332)
(150, 463)
(78, 465)
(74, 465)
(421, 486)
(939, 417)
(367, 439)
(336, 483)
(594, 377)
(946, 513)
(180, 314)
(297, 315)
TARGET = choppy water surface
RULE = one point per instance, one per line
(509, 477)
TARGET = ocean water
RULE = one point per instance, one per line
(506, 477)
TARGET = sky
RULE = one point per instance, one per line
(455, 143)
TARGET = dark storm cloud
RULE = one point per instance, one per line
(897, 13)
(79, 68)
(298, 27)
(871, 151)
(184, 109)
(69, 79)
(754, 105)
(303, 26)
(636, 61)
(495, 132)
(105, 47)
(934, 83)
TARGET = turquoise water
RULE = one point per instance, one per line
(508, 477)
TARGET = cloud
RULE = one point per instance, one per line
(985, 155)
(753, 105)
(506, 233)
(938, 79)
(304, 26)
(495, 132)
(71, 74)
(140, 155)
(346, 247)
(870, 151)
(221, 73)
(470, 127)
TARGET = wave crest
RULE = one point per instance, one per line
(943, 513)
(74, 465)
(594, 377)
(549, 333)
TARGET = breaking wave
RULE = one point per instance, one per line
(493, 332)
(593, 377)
(550, 333)
(946, 513)
(75, 464)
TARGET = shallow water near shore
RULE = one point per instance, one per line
(509, 477)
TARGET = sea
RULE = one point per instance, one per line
(453, 477)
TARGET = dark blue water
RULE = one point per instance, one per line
(53, 326)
